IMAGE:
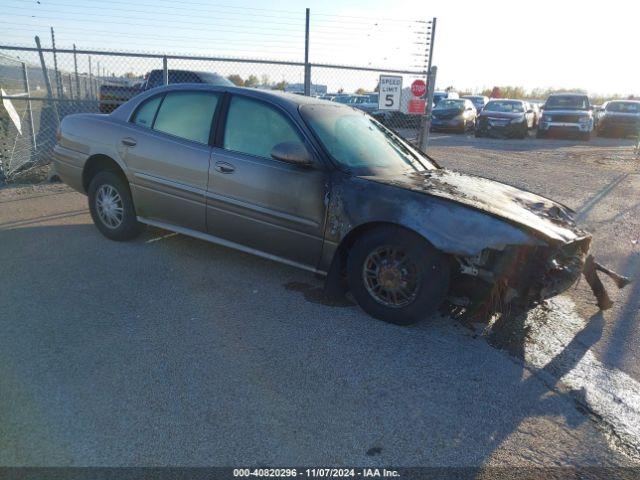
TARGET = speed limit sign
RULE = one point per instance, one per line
(390, 92)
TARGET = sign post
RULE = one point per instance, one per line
(390, 92)
(426, 123)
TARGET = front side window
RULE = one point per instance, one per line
(255, 128)
(187, 115)
(145, 113)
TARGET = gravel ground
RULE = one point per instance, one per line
(601, 181)
(171, 351)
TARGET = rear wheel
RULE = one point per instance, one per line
(111, 207)
(396, 276)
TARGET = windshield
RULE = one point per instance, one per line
(450, 105)
(343, 99)
(504, 106)
(623, 107)
(359, 143)
(567, 102)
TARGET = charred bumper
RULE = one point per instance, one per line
(525, 275)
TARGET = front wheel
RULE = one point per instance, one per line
(396, 276)
(111, 207)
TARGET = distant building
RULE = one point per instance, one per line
(299, 88)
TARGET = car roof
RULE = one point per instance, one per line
(568, 94)
(622, 100)
(506, 100)
(288, 101)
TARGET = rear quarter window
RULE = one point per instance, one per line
(146, 112)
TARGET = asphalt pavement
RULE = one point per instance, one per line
(171, 351)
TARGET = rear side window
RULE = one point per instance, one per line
(254, 128)
(145, 113)
(187, 115)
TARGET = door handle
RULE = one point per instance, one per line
(129, 142)
(224, 167)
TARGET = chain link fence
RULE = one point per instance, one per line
(41, 86)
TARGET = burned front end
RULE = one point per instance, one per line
(520, 275)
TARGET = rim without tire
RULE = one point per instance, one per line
(109, 206)
(391, 277)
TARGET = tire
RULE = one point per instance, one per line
(118, 222)
(585, 136)
(427, 286)
(540, 134)
(478, 134)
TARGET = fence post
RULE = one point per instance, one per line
(307, 67)
(75, 68)
(47, 80)
(58, 77)
(165, 71)
(431, 80)
(90, 79)
(70, 86)
(25, 79)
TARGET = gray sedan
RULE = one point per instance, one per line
(323, 187)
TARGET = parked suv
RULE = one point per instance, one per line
(566, 113)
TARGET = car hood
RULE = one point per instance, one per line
(567, 112)
(509, 115)
(543, 217)
(448, 112)
(621, 115)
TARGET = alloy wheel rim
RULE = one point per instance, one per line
(109, 206)
(391, 277)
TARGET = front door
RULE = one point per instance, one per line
(168, 152)
(254, 200)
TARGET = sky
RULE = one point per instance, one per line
(560, 44)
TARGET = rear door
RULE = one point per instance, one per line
(254, 200)
(168, 151)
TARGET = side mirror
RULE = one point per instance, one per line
(292, 152)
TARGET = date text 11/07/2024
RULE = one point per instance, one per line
(316, 472)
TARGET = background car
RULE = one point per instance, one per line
(566, 114)
(454, 114)
(479, 101)
(505, 117)
(111, 96)
(439, 96)
(619, 118)
(367, 102)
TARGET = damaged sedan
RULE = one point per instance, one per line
(323, 187)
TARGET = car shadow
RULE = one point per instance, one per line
(172, 337)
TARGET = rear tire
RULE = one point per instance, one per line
(111, 207)
(396, 276)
